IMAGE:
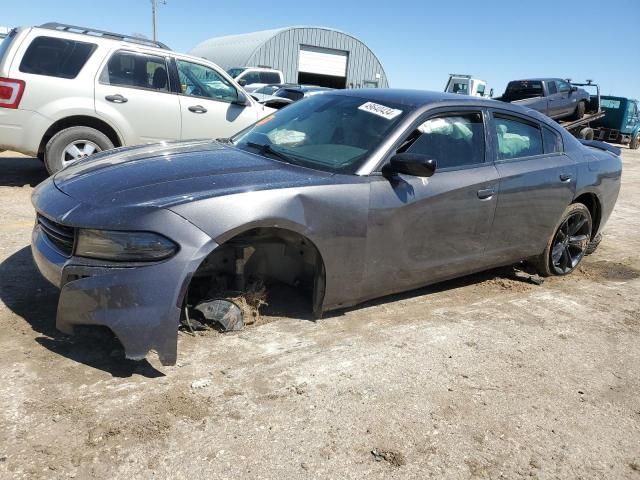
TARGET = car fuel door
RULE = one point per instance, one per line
(425, 229)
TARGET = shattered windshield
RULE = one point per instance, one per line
(334, 133)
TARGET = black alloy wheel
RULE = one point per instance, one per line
(570, 243)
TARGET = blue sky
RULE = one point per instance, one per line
(419, 42)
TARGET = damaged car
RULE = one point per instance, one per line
(344, 196)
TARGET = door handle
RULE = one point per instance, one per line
(565, 177)
(486, 193)
(197, 109)
(116, 98)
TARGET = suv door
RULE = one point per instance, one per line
(208, 103)
(537, 183)
(433, 228)
(133, 93)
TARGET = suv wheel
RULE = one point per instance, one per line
(72, 144)
(580, 110)
(635, 141)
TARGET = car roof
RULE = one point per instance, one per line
(422, 98)
(540, 79)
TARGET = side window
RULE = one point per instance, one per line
(453, 140)
(128, 69)
(552, 141)
(56, 57)
(269, 77)
(517, 139)
(563, 86)
(199, 81)
(552, 88)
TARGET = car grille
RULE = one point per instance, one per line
(61, 236)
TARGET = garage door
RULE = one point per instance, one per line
(322, 61)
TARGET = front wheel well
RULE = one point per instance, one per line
(591, 201)
(266, 255)
(78, 121)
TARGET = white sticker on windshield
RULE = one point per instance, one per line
(380, 110)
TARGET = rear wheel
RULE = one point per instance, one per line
(568, 245)
(581, 108)
(635, 141)
(73, 144)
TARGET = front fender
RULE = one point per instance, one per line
(333, 217)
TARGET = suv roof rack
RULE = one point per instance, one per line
(101, 33)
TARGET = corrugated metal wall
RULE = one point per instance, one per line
(280, 49)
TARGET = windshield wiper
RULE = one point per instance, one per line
(226, 140)
(265, 148)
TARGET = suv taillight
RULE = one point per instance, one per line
(11, 91)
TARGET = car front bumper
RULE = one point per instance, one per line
(140, 302)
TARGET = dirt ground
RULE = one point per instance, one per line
(483, 377)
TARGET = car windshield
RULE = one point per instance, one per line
(333, 133)
(234, 72)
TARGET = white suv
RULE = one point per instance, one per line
(67, 92)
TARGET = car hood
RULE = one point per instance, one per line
(165, 175)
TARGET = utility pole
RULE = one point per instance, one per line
(154, 10)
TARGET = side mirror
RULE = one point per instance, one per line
(573, 89)
(242, 82)
(491, 93)
(410, 164)
(242, 100)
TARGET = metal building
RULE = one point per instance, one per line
(310, 55)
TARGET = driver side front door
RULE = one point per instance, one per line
(422, 230)
(207, 103)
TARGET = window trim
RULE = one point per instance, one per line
(94, 47)
(105, 66)
(224, 77)
(434, 113)
(544, 143)
(495, 113)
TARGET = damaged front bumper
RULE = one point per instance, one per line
(139, 302)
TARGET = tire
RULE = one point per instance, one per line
(593, 244)
(586, 133)
(634, 144)
(562, 255)
(581, 108)
(87, 140)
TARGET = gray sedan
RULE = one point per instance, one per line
(346, 196)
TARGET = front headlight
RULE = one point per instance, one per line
(124, 246)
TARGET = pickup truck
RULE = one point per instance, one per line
(554, 97)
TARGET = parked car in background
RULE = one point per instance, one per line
(621, 124)
(287, 94)
(345, 196)
(467, 85)
(252, 78)
(67, 92)
(554, 97)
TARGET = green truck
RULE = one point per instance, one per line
(621, 124)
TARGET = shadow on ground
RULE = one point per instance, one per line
(31, 297)
(20, 171)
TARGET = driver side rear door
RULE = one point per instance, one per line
(423, 230)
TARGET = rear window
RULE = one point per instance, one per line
(524, 89)
(517, 139)
(552, 141)
(269, 77)
(56, 57)
(128, 69)
(610, 104)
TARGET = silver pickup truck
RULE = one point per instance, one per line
(554, 97)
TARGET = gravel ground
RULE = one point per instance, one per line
(484, 377)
